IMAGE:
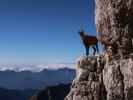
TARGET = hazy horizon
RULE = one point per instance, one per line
(36, 67)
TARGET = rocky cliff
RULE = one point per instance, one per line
(108, 76)
(114, 24)
(88, 84)
(101, 78)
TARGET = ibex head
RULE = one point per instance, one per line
(81, 33)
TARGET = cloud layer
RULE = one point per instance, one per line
(35, 68)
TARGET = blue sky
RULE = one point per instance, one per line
(43, 31)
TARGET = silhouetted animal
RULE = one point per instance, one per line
(89, 41)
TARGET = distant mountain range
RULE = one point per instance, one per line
(35, 80)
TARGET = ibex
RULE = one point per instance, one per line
(89, 41)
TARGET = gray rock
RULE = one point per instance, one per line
(88, 83)
(108, 76)
(114, 24)
(127, 71)
(112, 80)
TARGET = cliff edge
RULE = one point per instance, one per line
(98, 78)
(108, 76)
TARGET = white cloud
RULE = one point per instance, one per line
(35, 67)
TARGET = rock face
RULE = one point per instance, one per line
(101, 79)
(118, 79)
(108, 76)
(88, 84)
(115, 30)
(115, 25)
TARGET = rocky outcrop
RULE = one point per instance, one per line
(115, 25)
(88, 84)
(118, 79)
(113, 81)
(115, 30)
(101, 79)
(108, 76)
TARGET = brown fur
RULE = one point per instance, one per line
(89, 41)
